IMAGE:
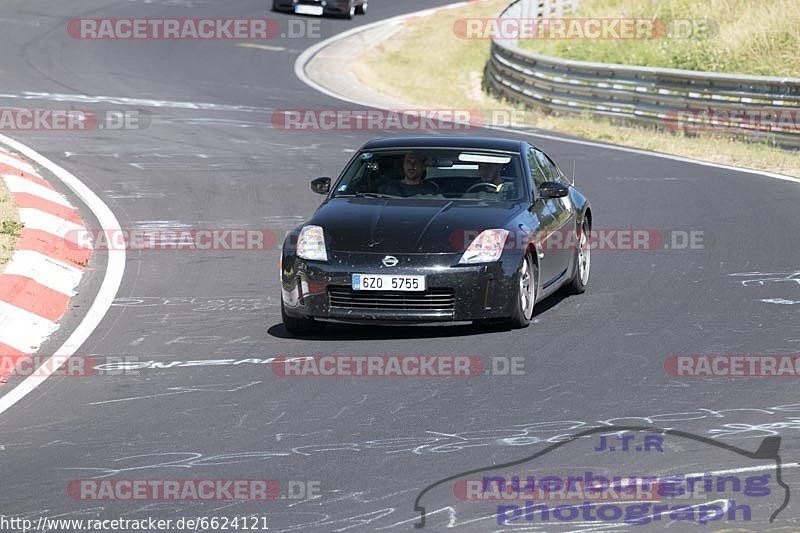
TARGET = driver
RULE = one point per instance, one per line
(413, 182)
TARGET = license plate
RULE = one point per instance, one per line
(382, 282)
(301, 9)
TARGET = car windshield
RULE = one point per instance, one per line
(458, 174)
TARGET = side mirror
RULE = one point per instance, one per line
(321, 185)
(551, 189)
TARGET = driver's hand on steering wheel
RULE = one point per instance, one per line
(485, 185)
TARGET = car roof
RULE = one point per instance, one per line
(436, 141)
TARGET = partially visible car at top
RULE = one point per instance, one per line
(337, 8)
(457, 250)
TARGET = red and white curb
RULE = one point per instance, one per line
(103, 298)
(45, 270)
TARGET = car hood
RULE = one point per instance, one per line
(407, 225)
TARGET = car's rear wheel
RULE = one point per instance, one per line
(300, 325)
(583, 262)
(362, 9)
(351, 10)
(526, 293)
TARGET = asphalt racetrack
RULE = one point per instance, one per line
(202, 401)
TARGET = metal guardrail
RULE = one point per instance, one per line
(661, 97)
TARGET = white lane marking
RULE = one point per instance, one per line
(262, 47)
(36, 219)
(121, 100)
(23, 330)
(746, 469)
(6, 159)
(45, 270)
(146, 397)
(19, 184)
(108, 288)
(780, 301)
(310, 52)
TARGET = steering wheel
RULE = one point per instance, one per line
(490, 187)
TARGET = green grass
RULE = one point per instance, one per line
(427, 63)
(10, 226)
(759, 37)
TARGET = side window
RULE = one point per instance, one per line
(558, 174)
(550, 174)
(539, 172)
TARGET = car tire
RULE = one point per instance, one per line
(351, 11)
(525, 294)
(582, 262)
(362, 9)
(274, 6)
(300, 325)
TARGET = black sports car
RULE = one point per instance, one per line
(436, 229)
(341, 8)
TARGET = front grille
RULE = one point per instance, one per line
(438, 300)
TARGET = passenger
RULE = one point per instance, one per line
(490, 173)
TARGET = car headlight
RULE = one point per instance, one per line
(487, 247)
(311, 244)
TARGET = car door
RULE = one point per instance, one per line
(560, 242)
(565, 215)
(542, 210)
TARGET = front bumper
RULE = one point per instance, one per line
(321, 290)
